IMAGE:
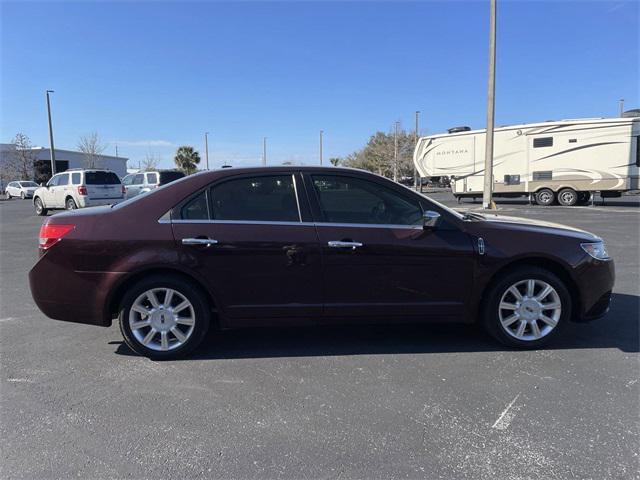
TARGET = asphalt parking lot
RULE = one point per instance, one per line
(379, 402)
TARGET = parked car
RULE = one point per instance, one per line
(310, 245)
(137, 183)
(77, 189)
(22, 189)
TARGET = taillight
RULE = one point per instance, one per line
(50, 234)
(82, 190)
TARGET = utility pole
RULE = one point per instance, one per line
(206, 148)
(621, 106)
(264, 151)
(487, 202)
(321, 132)
(395, 153)
(415, 169)
(51, 146)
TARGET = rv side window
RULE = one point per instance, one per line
(543, 142)
(637, 151)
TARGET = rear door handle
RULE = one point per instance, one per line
(342, 244)
(199, 241)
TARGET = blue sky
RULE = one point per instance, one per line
(150, 76)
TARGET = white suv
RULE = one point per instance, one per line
(78, 188)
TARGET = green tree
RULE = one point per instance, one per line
(187, 159)
(335, 161)
(378, 155)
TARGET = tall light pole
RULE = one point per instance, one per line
(206, 148)
(621, 106)
(395, 153)
(321, 132)
(491, 104)
(415, 169)
(51, 146)
(264, 151)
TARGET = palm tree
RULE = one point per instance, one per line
(187, 159)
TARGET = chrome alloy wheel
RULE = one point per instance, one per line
(161, 319)
(529, 309)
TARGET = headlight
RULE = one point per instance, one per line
(596, 250)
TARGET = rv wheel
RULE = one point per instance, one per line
(584, 198)
(545, 197)
(567, 197)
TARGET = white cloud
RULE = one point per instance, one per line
(144, 143)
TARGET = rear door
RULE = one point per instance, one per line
(378, 260)
(102, 185)
(251, 238)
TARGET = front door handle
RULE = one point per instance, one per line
(342, 244)
(199, 241)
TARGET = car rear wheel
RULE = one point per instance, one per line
(567, 197)
(70, 204)
(526, 308)
(38, 205)
(164, 317)
(545, 197)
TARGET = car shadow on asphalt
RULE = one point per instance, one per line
(619, 329)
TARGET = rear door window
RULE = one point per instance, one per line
(101, 178)
(138, 179)
(76, 178)
(152, 177)
(263, 198)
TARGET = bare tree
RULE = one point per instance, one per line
(92, 148)
(18, 163)
(150, 162)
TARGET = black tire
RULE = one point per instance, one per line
(584, 198)
(39, 207)
(185, 288)
(70, 204)
(545, 197)
(567, 197)
(490, 310)
(7, 195)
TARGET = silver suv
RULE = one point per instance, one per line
(137, 183)
(77, 189)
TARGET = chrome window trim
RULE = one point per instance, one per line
(304, 224)
(295, 192)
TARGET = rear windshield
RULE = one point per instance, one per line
(167, 177)
(101, 178)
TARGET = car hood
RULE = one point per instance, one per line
(538, 226)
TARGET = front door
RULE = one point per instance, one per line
(378, 260)
(246, 237)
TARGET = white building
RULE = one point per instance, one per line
(66, 159)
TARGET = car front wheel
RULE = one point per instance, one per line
(39, 207)
(164, 317)
(22, 195)
(527, 307)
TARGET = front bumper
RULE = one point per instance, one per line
(595, 279)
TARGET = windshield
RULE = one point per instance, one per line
(28, 184)
(101, 178)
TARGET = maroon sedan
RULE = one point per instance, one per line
(307, 245)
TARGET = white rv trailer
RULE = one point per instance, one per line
(564, 161)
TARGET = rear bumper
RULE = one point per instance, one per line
(595, 282)
(96, 202)
(64, 294)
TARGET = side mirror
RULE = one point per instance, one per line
(430, 219)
